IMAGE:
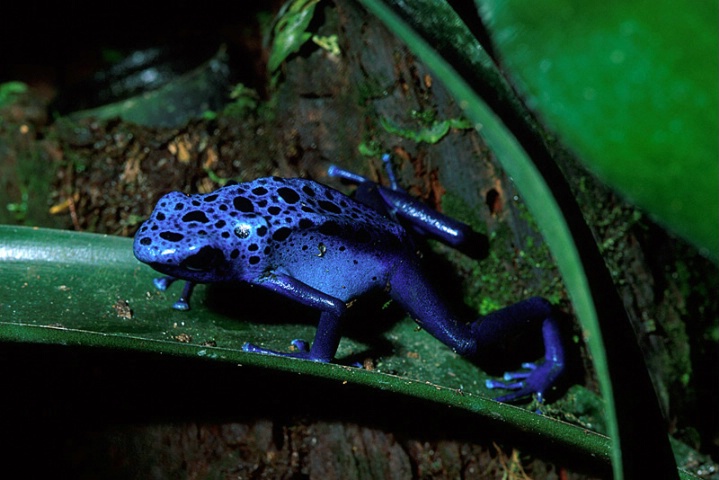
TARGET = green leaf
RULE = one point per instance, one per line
(632, 88)
(74, 288)
(290, 31)
(9, 91)
(439, 38)
(431, 134)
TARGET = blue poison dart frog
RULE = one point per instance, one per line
(323, 249)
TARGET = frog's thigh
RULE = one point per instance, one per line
(413, 291)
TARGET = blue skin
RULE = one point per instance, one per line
(317, 246)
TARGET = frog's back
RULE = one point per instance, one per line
(296, 205)
(324, 238)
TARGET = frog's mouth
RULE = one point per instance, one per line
(205, 260)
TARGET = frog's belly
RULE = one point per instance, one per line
(342, 274)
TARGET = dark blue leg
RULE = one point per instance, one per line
(182, 303)
(301, 293)
(412, 291)
(528, 314)
(323, 349)
(328, 335)
(416, 215)
(387, 161)
(339, 172)
(429, 222)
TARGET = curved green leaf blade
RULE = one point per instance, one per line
(634, 93)
(75, 289)
(430, 27)
(9, 91)
(290, 31)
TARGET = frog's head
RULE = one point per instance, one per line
(202, 238)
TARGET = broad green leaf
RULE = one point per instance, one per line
(431, 134)
(290, 31)
(84, 289)
(632, 88)
(436, 34)
(9, 91)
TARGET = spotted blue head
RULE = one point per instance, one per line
(204, 238)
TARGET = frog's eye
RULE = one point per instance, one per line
(243, 230)
(206, 259)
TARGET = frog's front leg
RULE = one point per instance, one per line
(182, 303)
(328, 335)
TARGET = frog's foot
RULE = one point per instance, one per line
(534, 379)
(182, 303)
(302, 350)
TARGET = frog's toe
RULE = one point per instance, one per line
(301, 345)
(302, 350)
(535, 379)
(181, 305)
(162, 283)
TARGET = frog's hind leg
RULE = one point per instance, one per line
(428, 222)
(412, 213)
(411, 289)
(339, 172)
(537, 377)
